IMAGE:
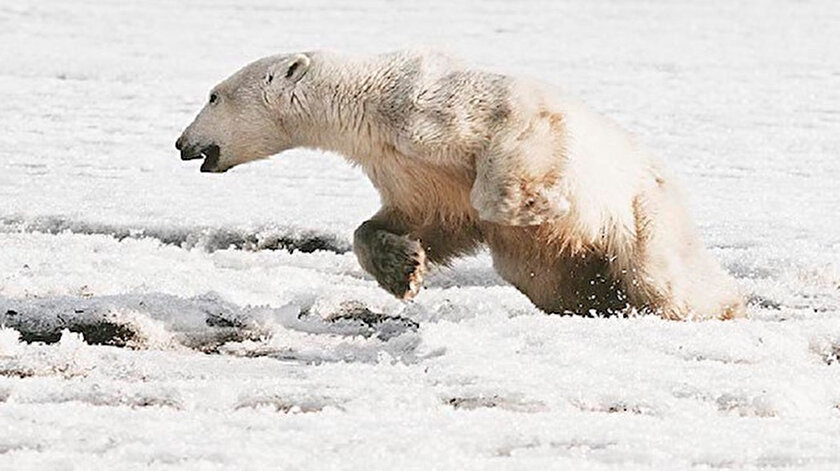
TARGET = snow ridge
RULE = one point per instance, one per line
(209, 239)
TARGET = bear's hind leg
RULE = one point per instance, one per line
(669, 271)
(553, 278)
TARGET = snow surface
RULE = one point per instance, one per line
(148, 323)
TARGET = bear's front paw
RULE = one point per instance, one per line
(399, 264)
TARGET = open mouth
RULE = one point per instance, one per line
(210, 154)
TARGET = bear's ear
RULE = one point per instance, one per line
(291, 70)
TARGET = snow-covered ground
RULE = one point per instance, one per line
(226, 354)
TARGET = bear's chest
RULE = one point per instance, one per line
(421, 188)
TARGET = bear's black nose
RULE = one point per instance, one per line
(179, 143)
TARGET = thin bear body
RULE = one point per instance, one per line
(576, 216)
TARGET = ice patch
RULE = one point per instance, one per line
(292, 403)
(512, 403)
(106, 395)
(615, 406)
(321, 332)
(827, 348)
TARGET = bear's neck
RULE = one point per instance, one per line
(349, 100)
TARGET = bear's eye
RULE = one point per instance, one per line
(213, 98)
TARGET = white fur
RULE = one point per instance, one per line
(462, 157)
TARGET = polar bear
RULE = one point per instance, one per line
(576, 216)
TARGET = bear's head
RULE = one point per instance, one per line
(253, 114)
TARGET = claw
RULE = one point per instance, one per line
(415, 279)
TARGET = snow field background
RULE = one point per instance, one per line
(234, 355)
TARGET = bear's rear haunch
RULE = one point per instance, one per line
(577, 216)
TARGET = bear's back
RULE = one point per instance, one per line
(441, 110)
